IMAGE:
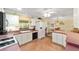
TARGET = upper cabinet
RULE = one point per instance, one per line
(24, 22)
(25, 18)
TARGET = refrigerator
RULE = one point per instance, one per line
(40, 27)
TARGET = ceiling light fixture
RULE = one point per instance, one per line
(47, 15)
(19, 9)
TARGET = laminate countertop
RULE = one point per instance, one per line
(6, 36)
(21, 32)
(11, 34)
(59, 31)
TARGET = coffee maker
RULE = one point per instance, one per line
(2, 23)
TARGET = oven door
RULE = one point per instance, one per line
(4, 43)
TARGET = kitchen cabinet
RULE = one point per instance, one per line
(23, 17)
(24, 38)
(59, 38)
(24, 22)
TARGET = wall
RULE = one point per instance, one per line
(1, 9)
(76, 18)
(13, 22)
(47, 23)
(68, 25)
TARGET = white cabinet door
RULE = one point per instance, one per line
(24, 38)
(19, 38)
(59, 38)
(28, 37)
(54, 37)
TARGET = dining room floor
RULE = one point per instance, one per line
(44, 44)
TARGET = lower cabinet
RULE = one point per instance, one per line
(59, 38)
(24, 38)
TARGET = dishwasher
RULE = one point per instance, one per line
(9, 44)
(35, 35)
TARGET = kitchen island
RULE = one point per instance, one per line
(59, 37)
(72, 40)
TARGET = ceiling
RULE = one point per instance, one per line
(39, 12)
